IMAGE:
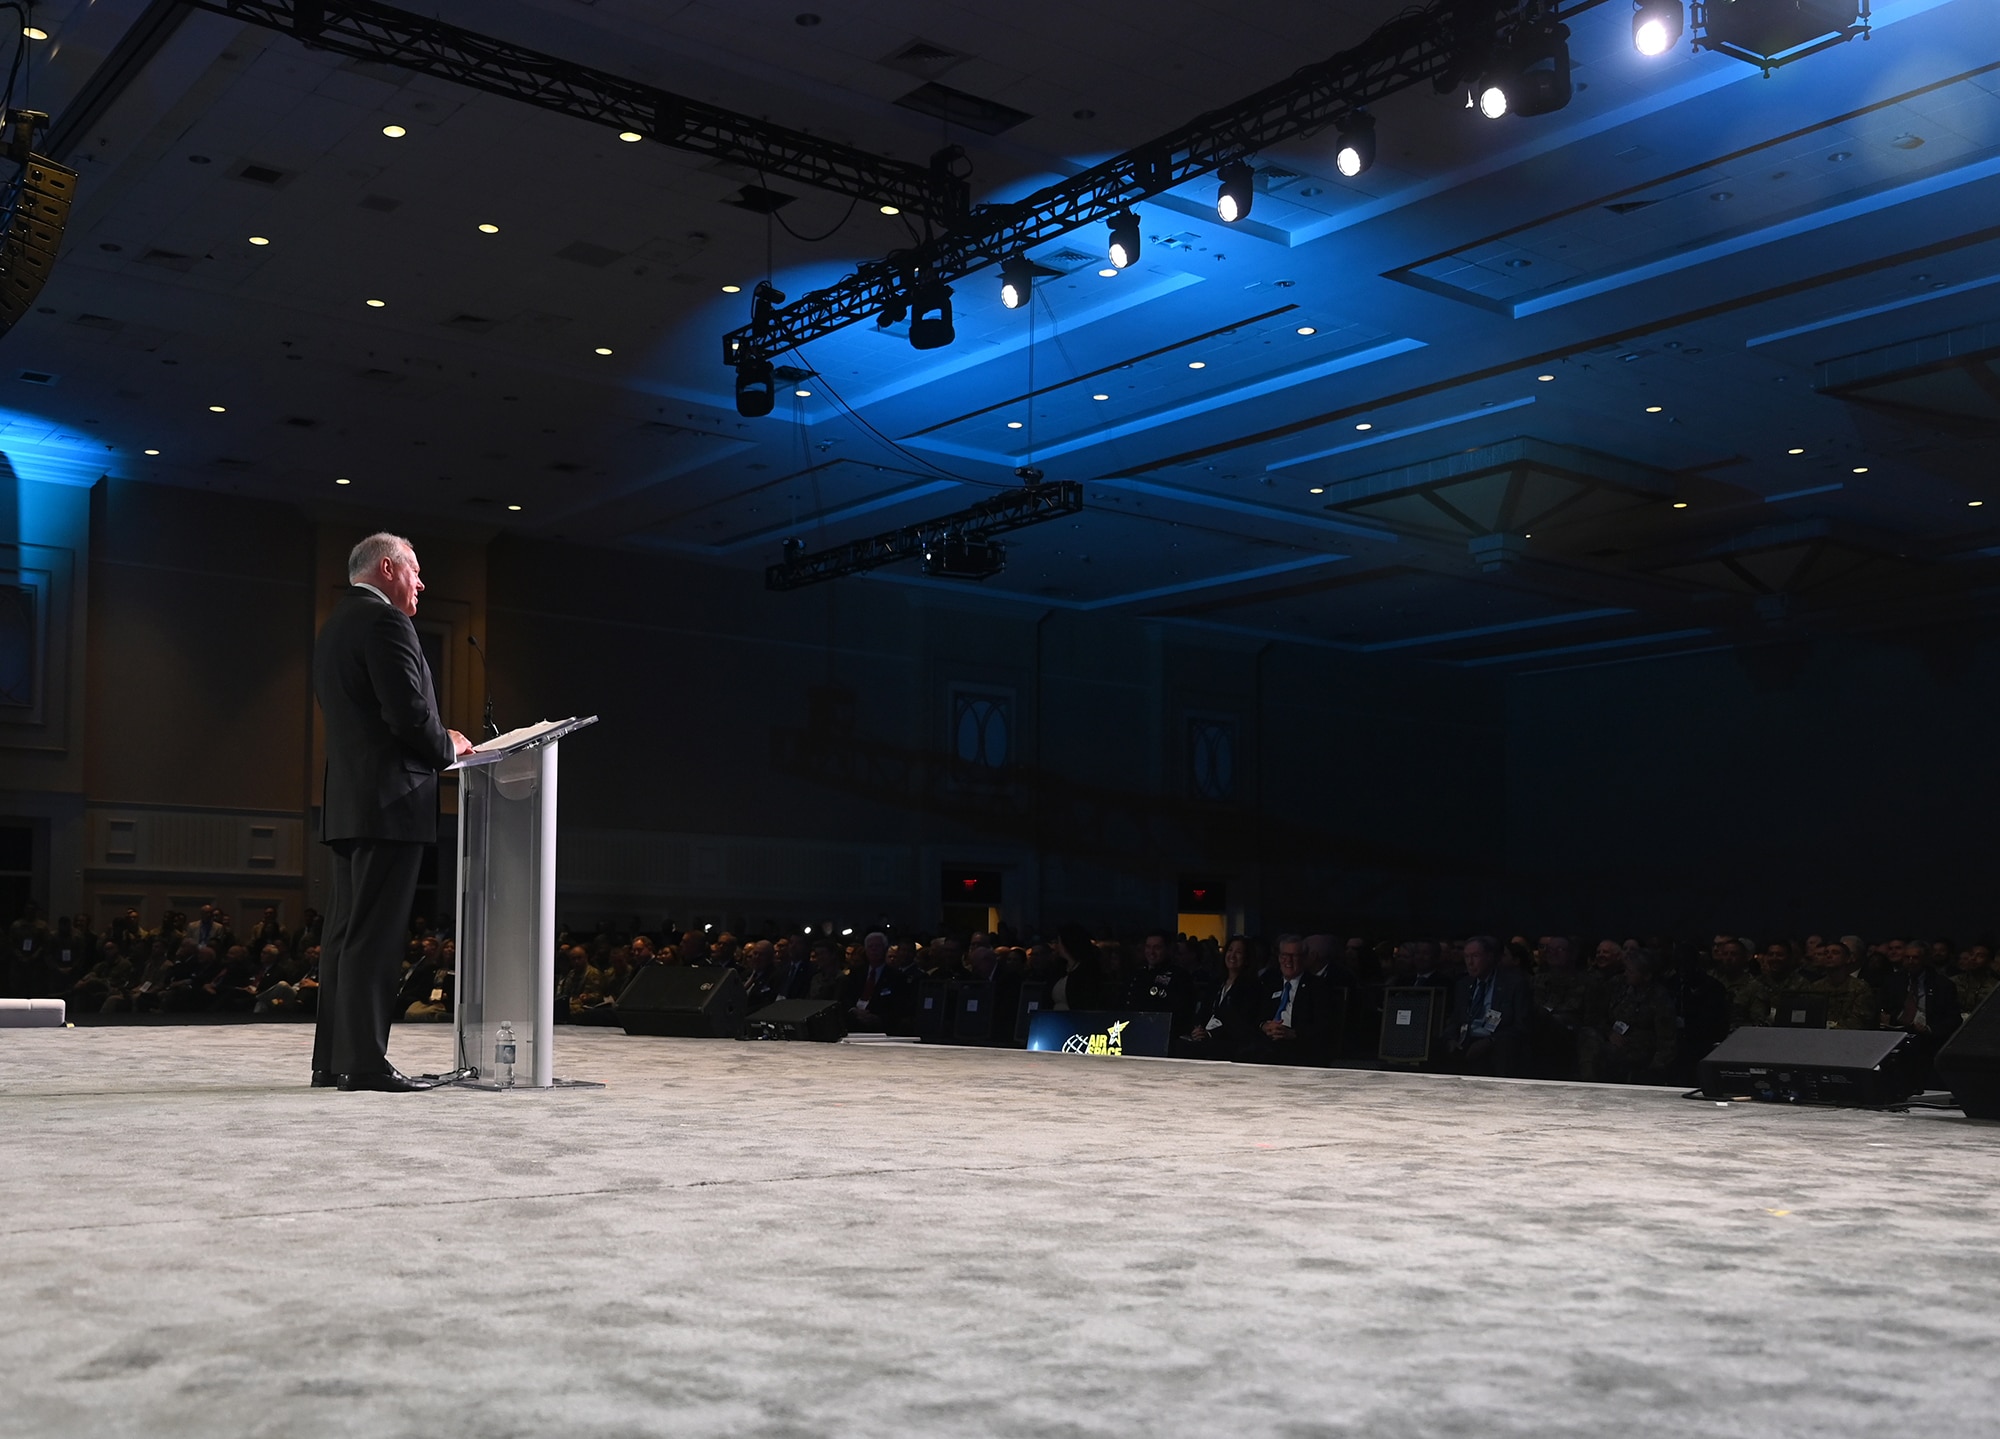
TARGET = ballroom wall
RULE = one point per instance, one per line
(1833, 786)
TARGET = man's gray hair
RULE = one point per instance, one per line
(363, 559)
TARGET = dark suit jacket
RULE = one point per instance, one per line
(1241, 1010)
(1512, 996)
(1315, 1024)
(1940, 1006)
(384, 741)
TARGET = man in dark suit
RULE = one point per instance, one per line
(1301, 1021)
(1491, 1010)
(384, 748)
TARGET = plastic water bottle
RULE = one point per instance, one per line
(503, 1055)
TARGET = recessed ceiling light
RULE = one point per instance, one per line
(1197, 364)
(630, 137)
(603, 350)
(1680, 504)
(1795, 452)
(1364, 425)
(1545, 378)
(891, 209)
(803, 394)
(219, 409)
(1653, 409)
(1100, 397)
(394, 132)
(1317, 490)
(1107, 273)
(1308, 330)
(732, 289)
(1974, 504)
(513, 507)
(1861, 469)
(343, 482)
(34, 32)
(152, 452)
(259, 240)
(489, 228)
(374, 304)
(1013, 424)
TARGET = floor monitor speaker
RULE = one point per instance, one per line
(1859, 1068)
(820, 1020)
(687, 1001)
(1969, 1063)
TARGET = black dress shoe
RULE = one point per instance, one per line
(324, 1079)
(388, 1082)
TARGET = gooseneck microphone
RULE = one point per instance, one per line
(489, 729)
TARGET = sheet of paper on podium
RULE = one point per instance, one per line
(500, 746)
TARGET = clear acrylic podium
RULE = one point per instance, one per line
(507, 903)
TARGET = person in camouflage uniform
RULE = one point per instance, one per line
(1975, 979)
(1568, 1000)
(1851, 1003)
(1641, 1030)
(1748, 1002)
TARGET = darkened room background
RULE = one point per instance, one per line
(832, 754)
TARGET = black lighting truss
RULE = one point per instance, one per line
(1008, 510)
(389, 36)
(1447, 42)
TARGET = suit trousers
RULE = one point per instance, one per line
(361, 952)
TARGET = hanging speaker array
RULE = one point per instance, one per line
(34, 208)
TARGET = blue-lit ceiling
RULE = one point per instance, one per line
(1703, 359)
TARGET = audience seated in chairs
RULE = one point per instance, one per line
(1642, 1012)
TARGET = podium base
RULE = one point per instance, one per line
(496, 1088)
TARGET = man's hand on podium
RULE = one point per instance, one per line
(460, 745)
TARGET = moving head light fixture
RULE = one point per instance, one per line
(756, 379)
(1772, 33)
(1017, 281)
(1357, 144)
(1530, 72)
(1657, 25)
(930, 314)
(1124, 249)
(1239, 190)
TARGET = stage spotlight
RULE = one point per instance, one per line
(1232, 201)
(755, 389)
(1357, 144)
(1531, 76)
(1656, 25)
(930, 316)
(1017, 281)
(1124, 252)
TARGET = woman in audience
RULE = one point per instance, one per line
(1225, 1019)
(1081, 984)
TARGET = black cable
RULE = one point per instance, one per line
(19, 62)
(826, 235)
(855, 415)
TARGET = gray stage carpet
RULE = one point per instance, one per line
(790, 1239)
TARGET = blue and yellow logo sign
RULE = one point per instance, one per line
(1111, 1041)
